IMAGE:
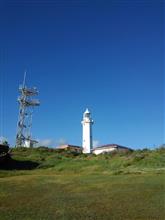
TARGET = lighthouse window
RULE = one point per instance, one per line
(87, 115)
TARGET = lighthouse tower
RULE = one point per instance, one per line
(87, 123)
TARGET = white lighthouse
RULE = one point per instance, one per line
(87, 123)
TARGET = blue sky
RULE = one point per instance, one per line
(104, 55)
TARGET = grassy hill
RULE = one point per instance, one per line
(139, 161)
(48, 184)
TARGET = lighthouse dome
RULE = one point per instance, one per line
(87, 113)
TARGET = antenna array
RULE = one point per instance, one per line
(26, 105)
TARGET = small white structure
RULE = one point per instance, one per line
(29, 143)
(109, 148)
(87, 123)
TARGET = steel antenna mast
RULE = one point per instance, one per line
(26, 104)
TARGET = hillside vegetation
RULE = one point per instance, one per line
(45, 184)
(138, 161)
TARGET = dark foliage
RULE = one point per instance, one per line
(11, 164)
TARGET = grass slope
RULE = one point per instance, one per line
(62, 185)
(64, 161)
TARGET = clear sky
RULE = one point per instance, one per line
(104, 55)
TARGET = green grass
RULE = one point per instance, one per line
(46, 195)
(62, 185)
(66, 162)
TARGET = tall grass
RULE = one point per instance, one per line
(62, 160)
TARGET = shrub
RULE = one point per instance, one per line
(42, 148)
(139, 157)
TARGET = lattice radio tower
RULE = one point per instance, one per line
(26, 105)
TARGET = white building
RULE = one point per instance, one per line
(29, 143)
(109, 148)
(87, 123)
